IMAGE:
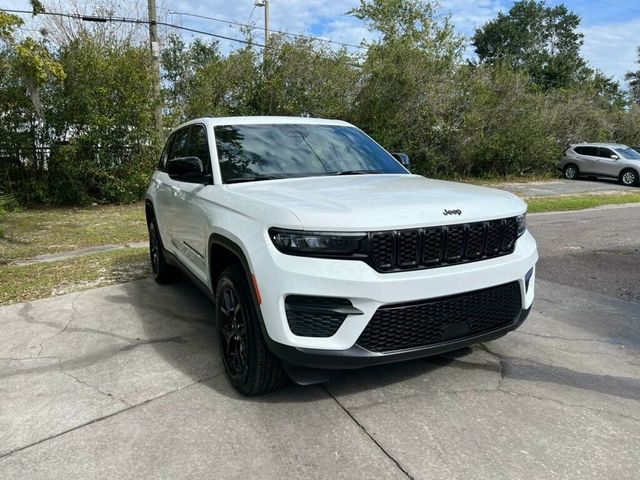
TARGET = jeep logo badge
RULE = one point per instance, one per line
(452, 212)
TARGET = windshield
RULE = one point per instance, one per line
(627, 152)
(263, 152)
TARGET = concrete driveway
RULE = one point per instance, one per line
(125, 382)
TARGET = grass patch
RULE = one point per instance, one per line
(579, 202)
(499, 180)
(29, 282)
(52, 230)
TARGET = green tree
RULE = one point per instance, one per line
(407, 99)
(539, 39)
(303, 77)
(633, 78)
(105, 110)
(181, 64)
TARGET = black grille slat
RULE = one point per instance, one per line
(494, 238)
(382, 250)
(454, 245)
(442, 246)
(432, 240)
(408, 245)
(510, 234)
(398, 327)
(475, 240)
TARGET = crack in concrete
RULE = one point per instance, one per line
(104, 417)
(369, 435)
(504, 362)
(28, 318)
(21, 359)
(94, 387)
(74, 312)
(88, 360)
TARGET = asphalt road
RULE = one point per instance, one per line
(125, 382)
(559, 186)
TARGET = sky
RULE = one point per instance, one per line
(611, 28)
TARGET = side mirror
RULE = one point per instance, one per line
(615, 157)
(186, 169)
(403, 159)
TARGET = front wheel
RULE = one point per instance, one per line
(629, 178)
(251, 367)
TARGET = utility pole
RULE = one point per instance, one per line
(265, 4)
(155, 55)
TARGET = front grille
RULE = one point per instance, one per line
(317, 316)
(398, 327)
(440, 246)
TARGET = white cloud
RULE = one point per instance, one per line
(612, 47)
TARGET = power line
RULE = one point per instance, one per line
(254, 27)
(137, 21)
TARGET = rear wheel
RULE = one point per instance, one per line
(571, 172)
(251, 367)
(162, 271)
(629, 177)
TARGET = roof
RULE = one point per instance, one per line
(262, 120)
(599, 144)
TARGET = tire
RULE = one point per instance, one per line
(629, 177)
(162, 271)
(250, 366)
(571, 172)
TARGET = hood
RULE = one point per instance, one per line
(380, 202)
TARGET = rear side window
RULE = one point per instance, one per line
(591, 151)
(164, 156)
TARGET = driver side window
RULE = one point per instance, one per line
(605, 153)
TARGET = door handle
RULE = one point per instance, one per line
(176, 190)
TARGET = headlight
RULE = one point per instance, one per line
(316, 243)
(521, 220)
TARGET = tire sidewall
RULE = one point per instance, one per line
(154, 237)
(577, 174)
(635, 181)
(164, 273)
(230, 278)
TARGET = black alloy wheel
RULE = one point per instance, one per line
(234, 333)
(250, 365)
(161, 270)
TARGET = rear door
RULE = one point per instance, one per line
(164, 194)
(167, 200)
(588, 159)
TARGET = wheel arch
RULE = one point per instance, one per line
(223, 252)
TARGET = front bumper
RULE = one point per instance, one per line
(358, 357)
(279, 275)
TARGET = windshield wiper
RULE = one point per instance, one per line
(252, 179)
(353, 172)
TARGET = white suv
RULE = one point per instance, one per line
(322, 252)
